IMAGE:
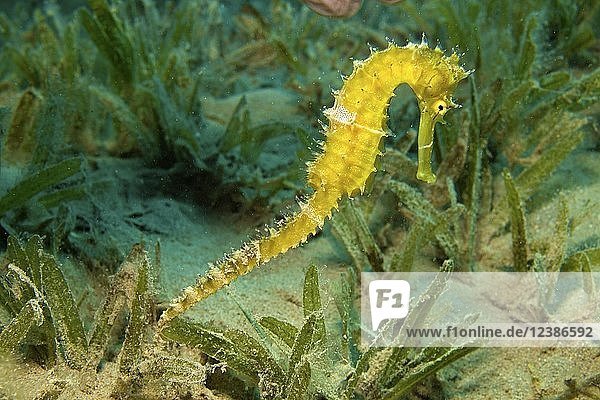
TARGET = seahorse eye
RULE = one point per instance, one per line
(440, 107)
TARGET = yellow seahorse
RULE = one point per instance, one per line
(357, 123)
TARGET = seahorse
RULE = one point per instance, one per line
(354, 141)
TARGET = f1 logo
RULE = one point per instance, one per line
(389, 300)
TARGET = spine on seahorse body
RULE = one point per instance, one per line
(357, 123)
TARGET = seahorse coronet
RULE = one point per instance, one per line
(348, 158)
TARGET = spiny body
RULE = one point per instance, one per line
(357, 124)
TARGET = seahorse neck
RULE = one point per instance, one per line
(367, 92)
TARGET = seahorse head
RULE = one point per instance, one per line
(434, 88)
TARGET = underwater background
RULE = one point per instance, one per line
(141, 140)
